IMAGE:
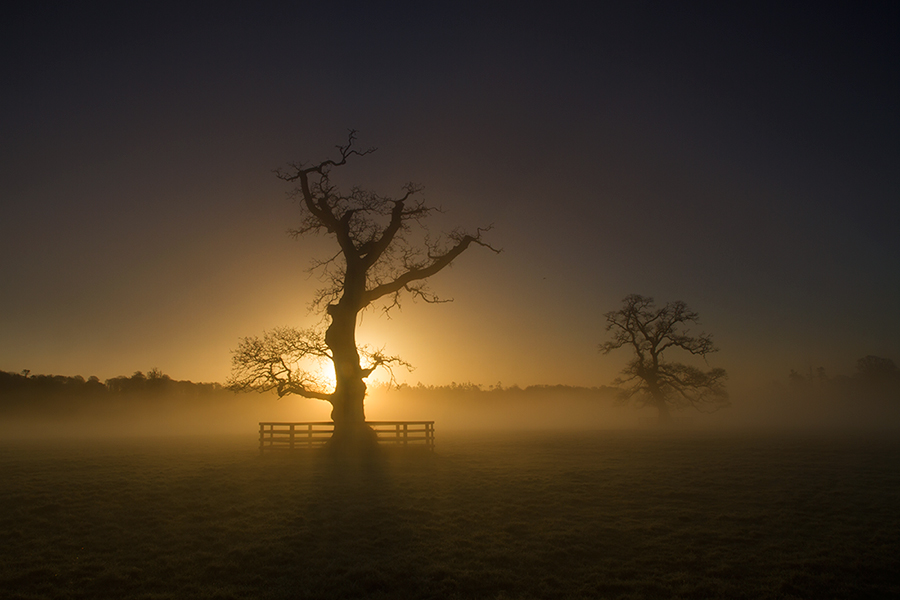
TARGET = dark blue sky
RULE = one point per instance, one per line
(744, 159)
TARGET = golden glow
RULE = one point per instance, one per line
(325, 376)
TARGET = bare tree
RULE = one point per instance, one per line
(649, 332)
(383, 251)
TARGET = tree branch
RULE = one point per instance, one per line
(415, 274)
(280, 361)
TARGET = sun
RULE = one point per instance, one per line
(324, 375)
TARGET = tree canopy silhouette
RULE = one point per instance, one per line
(383, 251)
(649, 332)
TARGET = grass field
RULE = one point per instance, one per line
(587, 515)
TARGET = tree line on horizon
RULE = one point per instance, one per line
(157, 382)
(25, 390)
(873, 375)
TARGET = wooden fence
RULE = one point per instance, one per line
(293, 436)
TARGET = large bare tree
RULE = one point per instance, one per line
(649, 332)
(383, 251)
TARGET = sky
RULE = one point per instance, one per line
(743, 158)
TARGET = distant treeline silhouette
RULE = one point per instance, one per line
(23, 391)
(37, 392)
(156, 382)
(868, 396)
(875, 377)
(153, 403)
(499, 389)
(871, 391)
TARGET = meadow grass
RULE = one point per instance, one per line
(542, 515)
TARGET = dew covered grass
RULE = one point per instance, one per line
(583, 515)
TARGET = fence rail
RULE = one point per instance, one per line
(314, 434)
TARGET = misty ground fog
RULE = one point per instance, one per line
(197, 409)
(542, 492)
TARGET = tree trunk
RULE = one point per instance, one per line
(665, 417)
(659, 399)
(348, 412)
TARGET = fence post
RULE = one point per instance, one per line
(292, 436)
(262, 429)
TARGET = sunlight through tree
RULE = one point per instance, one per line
(384, 251)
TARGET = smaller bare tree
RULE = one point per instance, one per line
(650, 331)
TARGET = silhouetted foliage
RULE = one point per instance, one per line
(878, 370)
(132, 404)
(58, 393)
(498, 390)
(874, 385)
(650, 331)
(383, 250)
